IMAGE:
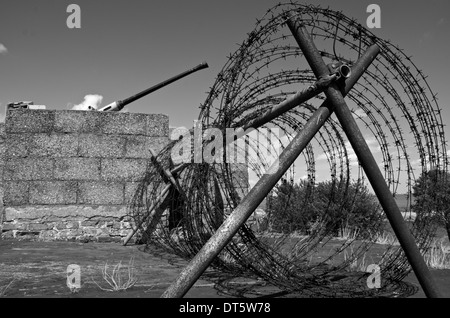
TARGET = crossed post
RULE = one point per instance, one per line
(334, 103)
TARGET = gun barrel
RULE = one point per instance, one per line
(122, 103)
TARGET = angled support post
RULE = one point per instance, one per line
(155, 212)
(192, 272)
(366, 160)
(277, 110)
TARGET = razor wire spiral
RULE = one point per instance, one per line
(395, 109)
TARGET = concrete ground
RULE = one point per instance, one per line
(39, 269)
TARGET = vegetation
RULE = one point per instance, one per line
(121, 278)
(432, 198)
(335, 205)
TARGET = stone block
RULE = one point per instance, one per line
(124, 123)
(157, 125)
(130, 191)
(30, 121)
(63, 211)
(37, 227)
(15, 193)
(2, 130)
(16, 145)
(138, 146)
(101, 193)
(88, 223)
(123, 169)
(76, 121)
(53, 192)
(8, 227)
(72, 225)
(101, 146)
(53, 145)
(28, 169)
(77, 169)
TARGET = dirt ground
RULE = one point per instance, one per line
(39, 269)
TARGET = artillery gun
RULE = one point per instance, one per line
(120, 104)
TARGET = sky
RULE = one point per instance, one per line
(124, 47)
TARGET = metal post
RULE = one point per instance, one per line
(367, 161)
(277, 110)
(192, 272)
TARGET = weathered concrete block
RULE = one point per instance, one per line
(77, 169)
(63, 211)
(2, 147)
(72, 225)
(101, 193)
(37, 227)
(138, 146)
(17, 145)
(16, 193)
(76, 121)
(130, 190)
(53, 145)
(101, 146)
(28, 169)
(124, 123)
(157, 143)
(8, 227)
(53, 192)
(2, 130)
(31, 121)
(157, 125)
(89, 223)
(91, 231)
(123, 169)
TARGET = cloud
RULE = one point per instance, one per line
(93, 100)
(3, 49)
(441, 21)
(359, 113)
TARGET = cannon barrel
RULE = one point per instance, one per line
(118, 105)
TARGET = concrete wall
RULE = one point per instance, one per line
(69, 174)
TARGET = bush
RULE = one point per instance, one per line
(297, 207)
(431, 192)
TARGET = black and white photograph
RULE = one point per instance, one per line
(234, 155)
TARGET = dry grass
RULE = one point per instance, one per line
(438, 255)
(347, 233)
(355, 265)
(386, 238)
(120, 278)
(4, 288)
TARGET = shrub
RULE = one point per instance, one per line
(296, 207)
(432, 198)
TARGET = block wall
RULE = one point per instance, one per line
(70, 174)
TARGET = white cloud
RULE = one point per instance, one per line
(93, 100)
(359, 113)
(3, 49)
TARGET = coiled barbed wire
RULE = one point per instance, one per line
(396, 111)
